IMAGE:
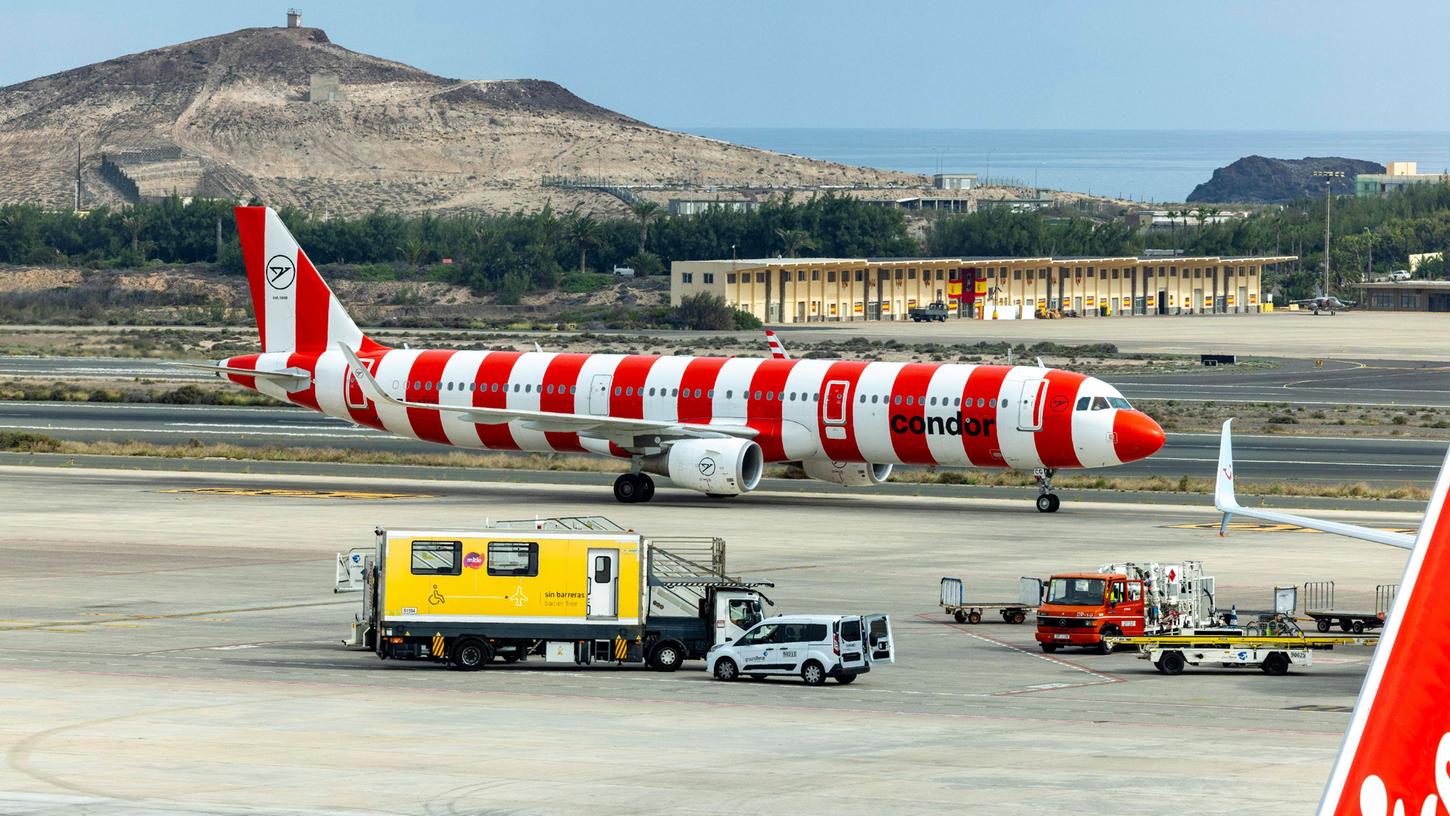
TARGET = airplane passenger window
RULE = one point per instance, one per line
(897, 401)
(428, 386)
(992, 403)
(981, 402)
(618, 390)
(1082, 403)
(770, 396)
(729, 394)
(417, 384)
(757, 395)
(792, 396)
(629, 391)
(450, 385)
(957, 402)
(910, 401)
(697, 393)
(516, 388)
(710, 393)
(549, 389)
(573, 389)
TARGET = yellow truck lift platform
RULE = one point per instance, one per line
(1273, 654)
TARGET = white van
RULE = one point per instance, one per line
(812, 646)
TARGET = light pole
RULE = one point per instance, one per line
(1329, 176)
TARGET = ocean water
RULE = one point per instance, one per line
(1144, 165)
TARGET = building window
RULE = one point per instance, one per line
(1198, 273)
(1102, 274)
(730, 278)
(900, 273)
(1016, 274)
(1382, 300)
(1409, 301)
(800, 274)
(437, 557)
(709, 277)
(687, 277)
(815, 274)
(1173, 270)
(1089, 271)
(860, 274)
(831, 276)
(515, 558)
(760, 277)
(911, 274)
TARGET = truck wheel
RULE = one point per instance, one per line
(1049, 648)
(813, 673)
(725, 669)
(1277, 663)
(1322, 624)
(1344, 624)
(974, 617)
(846, 679)
(1357, 627)
(960, 615)
(470, 654)
(666, 657)
(1108, 631)
(1170, 663)
(1019, 617)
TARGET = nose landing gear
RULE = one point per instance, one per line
(1047, 501)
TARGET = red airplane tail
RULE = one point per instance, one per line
(295, 309)
(1396, 754)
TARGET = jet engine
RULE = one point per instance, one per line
(719, 467)
(855, 474)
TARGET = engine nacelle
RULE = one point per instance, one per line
(721, 467)
(855, 474)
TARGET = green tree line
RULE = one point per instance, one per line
(513, 253)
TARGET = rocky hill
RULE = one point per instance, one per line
(287, 116)
(1261, 180)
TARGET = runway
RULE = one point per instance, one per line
(1380, 461)
(170, 638)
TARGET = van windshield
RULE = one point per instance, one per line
(1076, 591)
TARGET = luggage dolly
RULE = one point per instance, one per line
(953, 601)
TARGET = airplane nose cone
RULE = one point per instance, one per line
(1136, 436)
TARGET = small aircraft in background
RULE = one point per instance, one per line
(1324, 303)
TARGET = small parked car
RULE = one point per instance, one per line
(813, 647)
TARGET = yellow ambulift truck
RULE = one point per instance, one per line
(567, 590)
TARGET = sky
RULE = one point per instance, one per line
(1111, 64)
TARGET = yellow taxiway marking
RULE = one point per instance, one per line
(294, 493)
(1267, 527)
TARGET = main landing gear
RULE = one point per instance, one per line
(634, 487)
(1047, 501)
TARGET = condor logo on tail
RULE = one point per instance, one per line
(1396, 753)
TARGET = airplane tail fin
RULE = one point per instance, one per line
(1396, 754)
(295, 309)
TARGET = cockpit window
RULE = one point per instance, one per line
(1100, 403)
(1082, 403)
(1119, 402)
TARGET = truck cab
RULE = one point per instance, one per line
(1081, 608)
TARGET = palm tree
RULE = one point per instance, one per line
(583, 232)
(793, 241)
(135, 221)
(645, 211)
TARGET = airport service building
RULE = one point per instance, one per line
(804, 290)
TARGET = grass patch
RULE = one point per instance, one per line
(22, 442)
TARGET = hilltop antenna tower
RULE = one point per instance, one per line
(1329, 176)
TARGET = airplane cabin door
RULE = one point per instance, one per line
(603, 596)
(599, 394)
(838, 393)
(1031, 405)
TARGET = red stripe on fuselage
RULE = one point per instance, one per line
(368, 413)
(562, 375)
(313, 301)
(427, 371)
(700, 374)
(491, 391)
(244, 361)
(982, 447)
(252, 230)
(910, 387)
(764, 414)
(1054, 440)
(307, 396)
(844, 449)
(626, 395)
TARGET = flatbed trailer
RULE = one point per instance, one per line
(1272, 654)
(1319, 606)
(962, 610)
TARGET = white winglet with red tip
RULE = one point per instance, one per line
(1396, 754)
(777, 351)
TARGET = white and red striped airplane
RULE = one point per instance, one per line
(709, 424)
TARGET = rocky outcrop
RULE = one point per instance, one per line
(1261, 180)
(241, 107)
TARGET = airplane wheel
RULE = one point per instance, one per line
(647, 487)
(628, 488)
(1048, 503)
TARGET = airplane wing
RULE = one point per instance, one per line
(777, 350)
(614, 429)
(1224, 500)
(292, 379)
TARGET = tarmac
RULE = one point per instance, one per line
(171, 644)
